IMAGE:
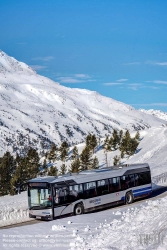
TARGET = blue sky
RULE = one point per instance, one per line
(115, 47)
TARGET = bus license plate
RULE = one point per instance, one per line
(38, 217)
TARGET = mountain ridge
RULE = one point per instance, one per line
(37, 111)
(156, 113)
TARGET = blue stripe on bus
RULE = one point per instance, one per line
(139, 192)
(145, 192)
(142, 189)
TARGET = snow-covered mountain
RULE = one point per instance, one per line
(156, 113)
(35, 110)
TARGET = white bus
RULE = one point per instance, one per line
(74, 194)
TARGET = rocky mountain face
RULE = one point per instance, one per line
(36, 111)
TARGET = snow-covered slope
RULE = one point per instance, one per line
(152, 149)
(34, 110)
(156, 113)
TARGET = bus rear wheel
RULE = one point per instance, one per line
(79, 209)
(129, 198)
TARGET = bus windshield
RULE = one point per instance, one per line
(39, 197)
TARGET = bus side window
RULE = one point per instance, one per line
(75, 192)
(90, 189)
(131, 180)
(114, 184)
(142, 178)
(60, 196)
(80, 191)
(123, 182)
(137, 180)
(102, 187)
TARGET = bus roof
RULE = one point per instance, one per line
(93, 175)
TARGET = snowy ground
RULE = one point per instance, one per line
(13, 209)
(138, 226)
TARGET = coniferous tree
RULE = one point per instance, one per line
(88, 140)
(133, 146)
(120, 136)
(107, 144)
(124, 146)
(127, 140)
(98, 141)
(75, 154)
(7, 170)
(128, 145)
(75, 166)
(52, 171)
(115, 139)
(63, 169)
(116, 160)
(20, 175)
(95, 163)
(110, 144)
(122, 154)
(52, 155)
(63, 151)
(91, 142)
(23, 171)
(85, 158)
(32, 163)
(44, 168)
(137, 136)
(27, 168)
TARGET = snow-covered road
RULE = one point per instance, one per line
(141, 225)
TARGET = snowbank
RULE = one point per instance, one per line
(143, 227)
(13, 209)
(137, 226)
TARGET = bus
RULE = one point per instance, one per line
(53, 197)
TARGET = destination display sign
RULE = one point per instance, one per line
(38, 184)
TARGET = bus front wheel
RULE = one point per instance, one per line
(129, 198)
(79, 209)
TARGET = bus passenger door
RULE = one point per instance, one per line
(61, 201)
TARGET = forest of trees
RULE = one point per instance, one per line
(126, 144)
(15, 171)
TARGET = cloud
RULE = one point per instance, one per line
(122, 80)
(153, 87)
(158, 82)
(83, 76)
(21, 43)
(38, 67)
(69, 80)
(135, 86)
(112, 83)
(132, 86)
(163, 104)
(156, 63)
(46, 58)
(163, 64)
(76, 78)
(117, 82)
(132, 63)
